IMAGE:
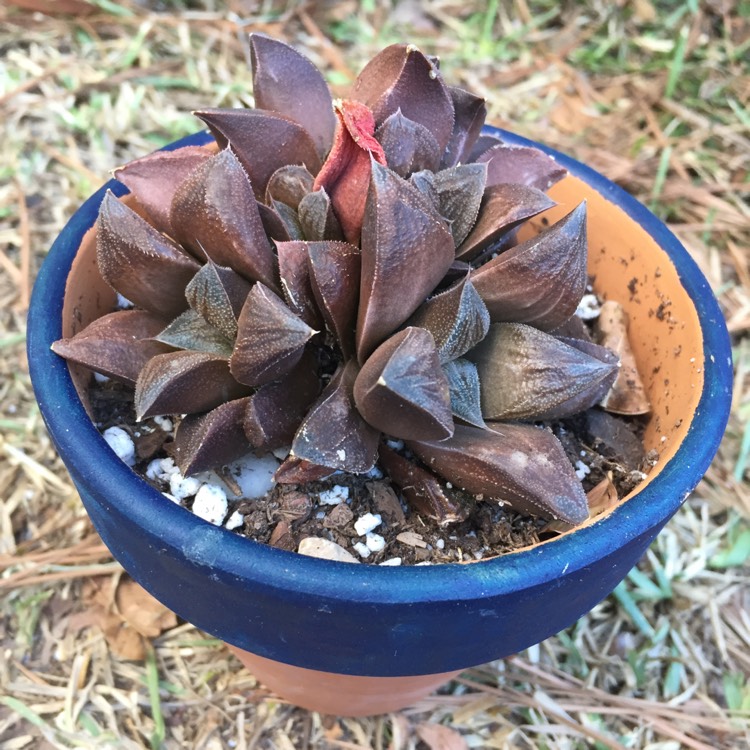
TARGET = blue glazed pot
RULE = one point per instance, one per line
(359, 620)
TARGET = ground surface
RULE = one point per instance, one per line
(653, 94)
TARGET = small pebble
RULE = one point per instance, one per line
(121, 443)
(366, 523)
(99, 378)
(326, 550)
(391, 562)
(440, 543)
(174, 499)
(337, 494)
(210, 504)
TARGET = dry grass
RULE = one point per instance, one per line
(653, 94)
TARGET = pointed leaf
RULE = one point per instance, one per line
(270, 338)
(184, 383)
(288, 83)
(481, 146)
(401, 77)
(190, 330)
(209, 441)
(406, 250)
(528, 374)
(298, 471)
(154, 178)
(460, 190)
(422, 490)
(290, 219)
(214, 214)
(218, 294)
(273, 226)
(465, 392)
(275, 410)
(402, 390)
(521, 165)
(502, 209)
(627, 395)
(424, 181)
(117, 345)
(333, 433)
(294, 271)
(470, 113)
(139, 262)
(345, 176)
(317, 218)
(262, 141)
(408, 146)
(289, 184)
(522, 465)
(540, 281)
(457, 319)
(334, 276)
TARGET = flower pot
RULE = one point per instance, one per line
(358, 639)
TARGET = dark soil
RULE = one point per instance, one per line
(609, 446)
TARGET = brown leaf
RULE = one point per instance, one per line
(139, 262)
(334, 276)
(153, 180)
(190, 330)
(294, 271)
(627, 394)
(440, 737)
(218, 293)
(401, 77)
(317, 218)
(288, 83)
(345, 175)
(184, 382)
(298, 471)
(334, 434)
(117, 345)
(465, 391)
(289, 184)
(470, 112)
(481, 146)
(214, 215)
(145, 614)
(262, 141)
(522, 465)
(408, 146)
(208, 441)
(457, 318)
(521, 165)
(270, 338)
(600, 498)
(401, 389)
(540, 281)
(406, 251)
(502, 209)
(459, 196)
(422, 490)
(275, 410)
(528, 374)
(273, 226)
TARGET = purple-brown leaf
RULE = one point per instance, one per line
(406, 250)
(262, 141)
(402, 390)
(117, 345)
(503, 207)
(270, 338)
(208, 441)
(218, 293)
(470, 112)
(275, 410)
(294, 271)
(290, 219)
(457, 319)
(465, 391)
(214, 215)
(459, 196)
(422, 490)
(521, 165)
(298, 471)
(154, 178)
(408, 146)
(334, 434)
(401, 77)
(184, 382)
(190, 330)
(522, 465)
(139, 262)
(317, 218)
(334, 276)
(289, 184)
(528, 374)
(286, 82)
(540, 281)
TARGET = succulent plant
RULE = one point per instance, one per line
(337, 273)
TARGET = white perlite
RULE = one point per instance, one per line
(164, 423)
(254, 474)
(582, 470)
(121, 443)
(335, 496)
(362, 549)
(235, 520)
(391, 562)
(210, 504)
(589, 307)
(375, 542)
(365, 524)
(183, 487)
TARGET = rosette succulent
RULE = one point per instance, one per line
(337, 274)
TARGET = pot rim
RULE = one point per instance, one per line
(236, 557)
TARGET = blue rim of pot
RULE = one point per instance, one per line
(237, 558)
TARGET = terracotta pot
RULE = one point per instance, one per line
(314, 630)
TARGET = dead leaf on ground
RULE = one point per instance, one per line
(439, 737)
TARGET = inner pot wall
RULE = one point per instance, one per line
(365, 620)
